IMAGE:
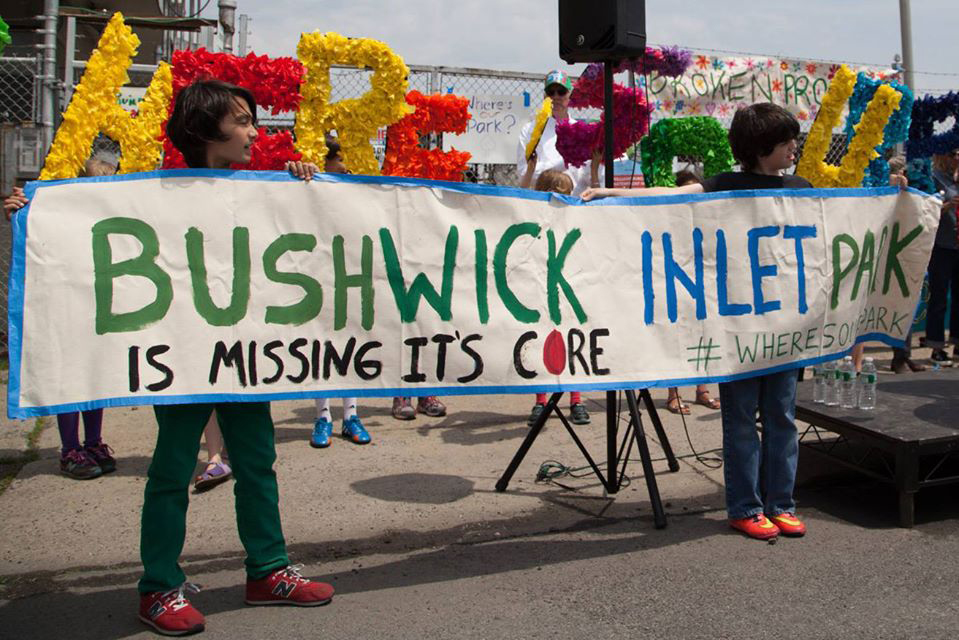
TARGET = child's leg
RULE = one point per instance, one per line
(213, 437)
(69, 426)
(349, 408)
(780, 441)
(742, 451)
(92, 426)
(165, 499)
(858, 354)
(323, 409)
(575, 397)
(248, 430)
(540, 398)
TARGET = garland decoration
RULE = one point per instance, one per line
(862, 147)
(701, 136)
(926, 112)
(923, 142)
(919, 173)
(355, 120)
(274, 83)
(140, 141)
(4, 35)
(576, 141)
(94, 108)
(542, 117)
(433, 113)
(896, 131)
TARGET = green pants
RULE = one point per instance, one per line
(248, 434)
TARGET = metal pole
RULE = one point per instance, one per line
(241, 39)
(228, 22)
(69, 51)
(905, 26)
(608, 121)
(50, 10)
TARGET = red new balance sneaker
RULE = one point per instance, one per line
(287, 586)
(170, 613)
(789, 525)
(756, 526)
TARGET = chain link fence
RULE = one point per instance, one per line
(20, 95)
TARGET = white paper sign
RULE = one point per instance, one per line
(493, 129)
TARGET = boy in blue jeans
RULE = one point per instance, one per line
(759, 474)
(213, 125)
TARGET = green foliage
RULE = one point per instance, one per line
(700, 136)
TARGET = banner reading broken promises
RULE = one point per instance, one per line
(191, 286)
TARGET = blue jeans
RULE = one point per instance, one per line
(760, 475)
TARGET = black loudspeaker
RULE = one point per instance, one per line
(598, 30)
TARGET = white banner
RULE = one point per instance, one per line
(493, 130)
(719, 85)
(185, 286)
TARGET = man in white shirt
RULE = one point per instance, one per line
(557, 87)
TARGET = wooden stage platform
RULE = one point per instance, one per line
(911, 440)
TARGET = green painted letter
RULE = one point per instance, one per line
(342, 282)
(240, 296)
(311, 303)
(144, 266)
(555, 279)
(408, 300)
(520, 312)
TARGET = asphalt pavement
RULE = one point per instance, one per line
(418, 543)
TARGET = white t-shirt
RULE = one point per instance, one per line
(547, 157)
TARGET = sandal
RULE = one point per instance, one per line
(703, 398)
(677, 406)
(214, 474)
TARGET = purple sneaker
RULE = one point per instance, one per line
(78, 465)
(102, 454)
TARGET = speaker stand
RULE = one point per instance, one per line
(616, 457)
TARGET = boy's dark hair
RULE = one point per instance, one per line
(197, 113)
(757, 129)
(332, 147)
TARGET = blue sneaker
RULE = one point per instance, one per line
(322, 430)
(353, 430)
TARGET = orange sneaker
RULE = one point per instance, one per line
(789, 525)
(757, 526)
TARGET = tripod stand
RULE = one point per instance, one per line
(634, 430)
(616, 458)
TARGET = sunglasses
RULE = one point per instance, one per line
(556, 91)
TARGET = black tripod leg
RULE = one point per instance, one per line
(660, 432)
(659, 516)
(612, 428)
(503, 482)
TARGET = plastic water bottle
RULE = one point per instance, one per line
(831, 381)
(847, 384)
(867, 385)
(818, 384)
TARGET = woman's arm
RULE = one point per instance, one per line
(527, 177)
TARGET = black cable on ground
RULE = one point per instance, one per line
(552, 470)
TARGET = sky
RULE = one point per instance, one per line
(523, 36)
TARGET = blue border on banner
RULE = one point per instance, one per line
(18, 267)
